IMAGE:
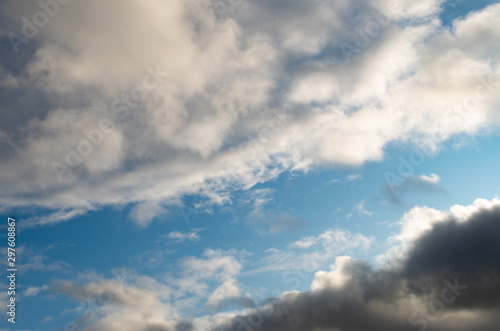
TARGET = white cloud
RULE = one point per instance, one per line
(433, 178)
(335, 278)
(145, 212)
(230, 289)
(57, 217)
(361, 210)
(353, 178)
(124, 306)
(47, 319)
(178, 237)
(348, 179)
(131, 301)
(419, 220)
(306, 242)
(38, 261)
(260, 198)
(33, 290)
(211, 278)
(310, 253)
(220, 118)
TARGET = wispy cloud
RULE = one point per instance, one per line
(33, 290)
(56, 217)
(361, 210)
(311, 252)
(179, 237)
(348, 179)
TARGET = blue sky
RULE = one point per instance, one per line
(191, 160)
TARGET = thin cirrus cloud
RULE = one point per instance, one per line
(179, 237)
(218, 115)
(311, 252)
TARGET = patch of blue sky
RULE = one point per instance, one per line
(456, 9)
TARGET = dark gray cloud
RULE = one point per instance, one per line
(469, 251)
(184, 326)
(450, 280)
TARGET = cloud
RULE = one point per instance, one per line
(38, 261)
(448, 280)
(284, 223)
(216, 264)
(348, 179)
(178, 237)
(420, 220)
(310, 253)
(433, 178)
(205, 105)
(259, 198)
(33, 290)
(130, 301)
(353, 178)
(413, 184)
(57, 217)
(361, 210)
(145, 212)
(266, 218)
(227, 293)
(47, 319)
(138, 305)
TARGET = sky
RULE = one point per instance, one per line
(251, 165)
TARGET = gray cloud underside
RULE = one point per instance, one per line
(464, 254)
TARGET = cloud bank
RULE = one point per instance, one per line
(141, 103)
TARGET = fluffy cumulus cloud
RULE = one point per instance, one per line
(140, 305)
(130, 301)
(143, 102)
